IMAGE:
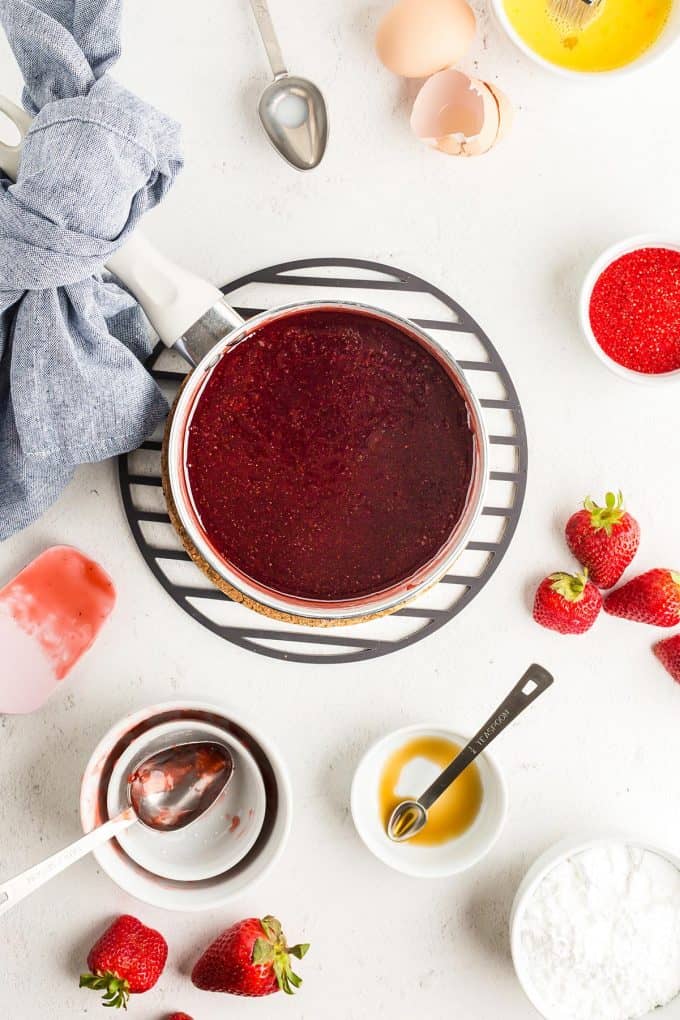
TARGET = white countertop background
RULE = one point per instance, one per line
(510, 236)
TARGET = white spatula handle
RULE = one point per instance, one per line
(173, 299)
(17, 889)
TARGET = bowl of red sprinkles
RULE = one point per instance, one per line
(630, 309)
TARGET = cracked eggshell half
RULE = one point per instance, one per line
(506, 112)
(459, 115)
(418, 37)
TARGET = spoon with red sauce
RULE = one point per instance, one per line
(167, 791)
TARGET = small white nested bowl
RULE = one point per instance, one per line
(594, 273)
(202, 894)
(544, 864)
(666, 41)
(449, 858)
(217, 840)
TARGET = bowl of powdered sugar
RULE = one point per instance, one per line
(595, 932)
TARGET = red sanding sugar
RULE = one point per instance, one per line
(635, 310)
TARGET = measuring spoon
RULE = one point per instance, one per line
(168, 791)
(292, 110)
(409, 817)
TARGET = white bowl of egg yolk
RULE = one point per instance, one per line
(625, 36)
(462, 826)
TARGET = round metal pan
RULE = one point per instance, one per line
(247, 589)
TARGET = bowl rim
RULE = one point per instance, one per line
(222, 896)
(602, 262)
(664, 42)
(357, 608)
(433, 728)
(549, 859)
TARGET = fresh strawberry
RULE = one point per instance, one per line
(128, 959)
(604, 539)
(668, 654)
(250, 958)
(567, 603)
(653, 598)
(179, 1016)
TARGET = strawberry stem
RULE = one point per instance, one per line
(299, 951)
(570, 586)
(274, 950)
(603, 518)
(116, 990)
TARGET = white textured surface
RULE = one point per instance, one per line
(601, 934)
(510, 235)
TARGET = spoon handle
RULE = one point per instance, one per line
(18, 888)
(271, 43)
(535, 681)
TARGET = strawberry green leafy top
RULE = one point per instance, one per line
(603, 518)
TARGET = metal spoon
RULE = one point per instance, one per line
(292, 110)
(168, 791)
(410, 816)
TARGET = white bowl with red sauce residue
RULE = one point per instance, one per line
(589, 289)
(218, 839)
(200, 894)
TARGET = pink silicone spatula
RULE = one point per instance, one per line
(50, 614)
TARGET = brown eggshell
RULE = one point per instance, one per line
(418, 37)
(505, 110)
(456, 114)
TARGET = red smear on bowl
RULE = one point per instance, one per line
(635, 311)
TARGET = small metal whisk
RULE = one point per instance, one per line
(575, 14)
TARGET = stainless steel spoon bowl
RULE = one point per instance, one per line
(167, 791)
(292, 110)
(173, 788)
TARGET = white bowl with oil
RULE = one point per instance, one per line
(438, 861)
(667, 39)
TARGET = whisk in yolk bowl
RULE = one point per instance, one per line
(625, 35)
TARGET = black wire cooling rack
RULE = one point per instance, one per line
(433, 310)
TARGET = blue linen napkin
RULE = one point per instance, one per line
(73, 388)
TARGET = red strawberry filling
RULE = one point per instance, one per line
(329, 456)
